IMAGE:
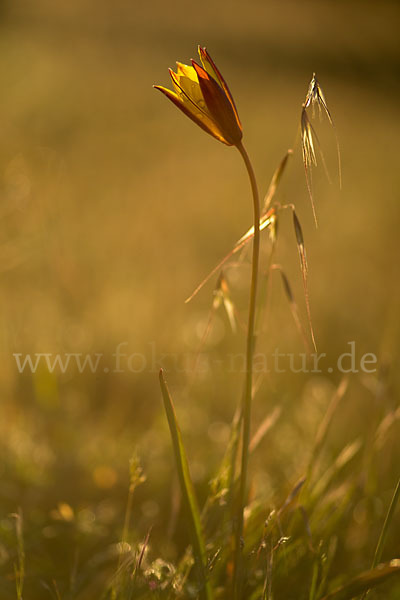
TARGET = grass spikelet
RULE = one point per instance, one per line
(309, 139)
(136, 478)
(293, 306)
(315, 96)
(304, 271)
(300, 243)
(222, 296)
(308, 152)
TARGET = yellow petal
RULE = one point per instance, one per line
(186, 71)
(190, 88)
(189, 109)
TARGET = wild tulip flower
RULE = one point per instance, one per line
(202, 94)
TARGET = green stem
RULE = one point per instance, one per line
(247, 395)
(384, 532)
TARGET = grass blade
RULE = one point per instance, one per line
(223, 484)
(324, 427)
(264, 427)
(331, 472)
(365, 581)
(294, 493)
(19, 567)
(188, 493)
(385, 529)
(275, 180)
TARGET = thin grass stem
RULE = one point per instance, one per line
(384, 532)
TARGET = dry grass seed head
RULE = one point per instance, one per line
(315, 96)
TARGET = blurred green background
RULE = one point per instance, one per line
(113, 207)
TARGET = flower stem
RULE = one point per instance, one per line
(247, 395)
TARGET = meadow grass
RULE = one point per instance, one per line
(87, 157)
